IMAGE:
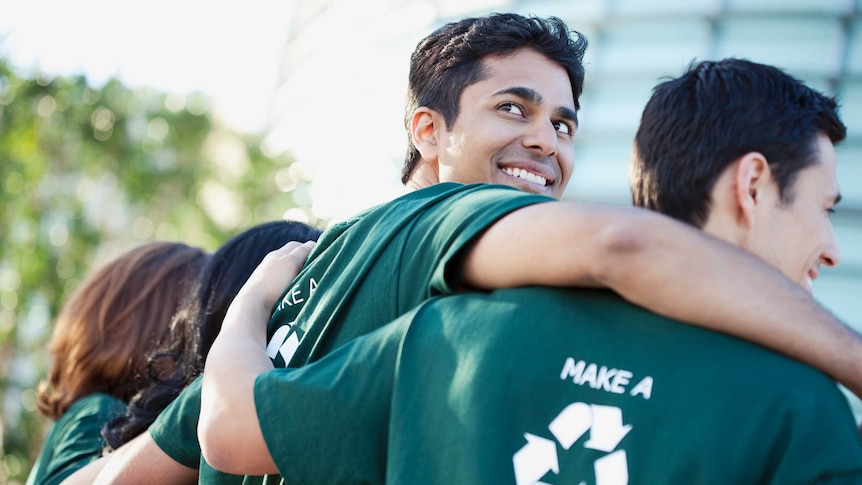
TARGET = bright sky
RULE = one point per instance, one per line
(232, 51)
(175, 46)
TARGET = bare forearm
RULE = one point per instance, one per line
(726, 289)
(692, 277)
(669, 268)
(142, 462)
(86, 475)
(230, 435)
(229, 432)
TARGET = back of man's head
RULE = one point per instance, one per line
(450, 59)
(696, 125)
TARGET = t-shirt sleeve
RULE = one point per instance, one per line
(175, 430)
(454, 226)
(329, 420)
(77, 440)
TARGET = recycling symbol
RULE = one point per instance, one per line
(605, 424)
(283, 345)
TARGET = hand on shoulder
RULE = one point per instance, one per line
(275, 272)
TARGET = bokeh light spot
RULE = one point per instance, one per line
(46, 107)
(58, 235)
(103, 119)
(296, 214)
(175, 102)
(197, 104)
(158, 129)
(284, 181)
(143, 228)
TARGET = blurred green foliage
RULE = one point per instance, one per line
(86, 173)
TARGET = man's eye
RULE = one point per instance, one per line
(562, 127)
(512, 108)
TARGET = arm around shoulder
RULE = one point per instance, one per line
(669, 268)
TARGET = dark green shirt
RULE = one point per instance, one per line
(362, 274)
(75, 439)
(559, 387)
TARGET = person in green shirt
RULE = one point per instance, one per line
(99, 347)
(494, 100)
(544, 385)
(180, 358)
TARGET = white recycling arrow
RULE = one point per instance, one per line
(612, 469)
(276, 341)
(608, 429)
(571, 423)
(282, 343)
(535, 459)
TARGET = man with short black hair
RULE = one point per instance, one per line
(517, 100)
(578, 386)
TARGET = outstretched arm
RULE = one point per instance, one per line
(140, 461)
(86, 475)
(669, 268)
(651, 260)
(229, 430)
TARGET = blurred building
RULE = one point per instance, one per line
(339, 106)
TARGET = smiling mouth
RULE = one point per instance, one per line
(528, 176)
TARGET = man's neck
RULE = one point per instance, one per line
(425, 175)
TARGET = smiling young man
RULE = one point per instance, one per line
(786, 187)
(578, 386)
(492, 99)
(521, 125)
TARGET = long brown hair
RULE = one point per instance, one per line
(113, 320)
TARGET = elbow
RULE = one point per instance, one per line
(620, 245)
(213, 440)
(216, 450)
(232, 445)
(215, 435)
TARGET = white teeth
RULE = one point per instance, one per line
(529, 177)
(809, 282)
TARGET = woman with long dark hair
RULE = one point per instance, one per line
(100, 344)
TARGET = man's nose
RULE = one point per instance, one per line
(542, 137)
(831, 255)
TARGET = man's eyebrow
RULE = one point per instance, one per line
(535, 97)
(523, 92)
(568, 114)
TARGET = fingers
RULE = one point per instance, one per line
(277, 270)
(294, 252)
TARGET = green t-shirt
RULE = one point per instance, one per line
(554, 386)
(75, 439)
(175, 429)
(364, 273)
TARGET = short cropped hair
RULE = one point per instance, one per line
(698, 124)
(450, 59)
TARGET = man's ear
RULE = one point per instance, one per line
(424, 130)
(752, 177)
